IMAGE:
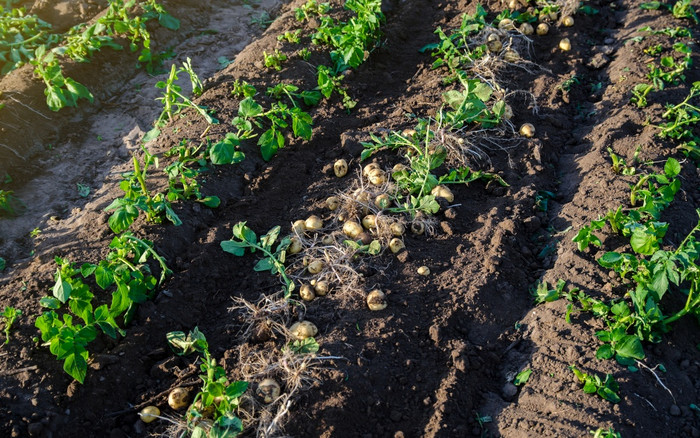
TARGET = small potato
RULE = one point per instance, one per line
(527, 29)
(327, 240)
(542, 29)
(368, 168)
(396, 245)
(313, 223)
(408, 132)
(397, 229)
(527, 130)
(493, 37)
(332, 203)
(513, 4)
(321, 288)
(565, 44)
(315, 267)
(149, 413)
(441, 191)
(303, 329)
(567, 21)
(294, 246)
(364, 237)
(417, 227)
(377, 177)
(423, 270)
(369, 221)
(382, 201)
(299, 226)
(340, 168)
(553, 15)
(268, 390)
(494, 46)
(398, 168)
(352, 229)
(506, 24)
(178, 398)
(511, 55)
(306, 292)
(376, 300)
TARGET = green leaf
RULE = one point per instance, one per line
(75, 364)
(211, 201)
(604, 352)
(168, 21)
(183, 344)
(222, 152)
(151, 135)
(631, 346)
(236, 389)
(522, 377)
(122, 218)
(62, 289)
(249, 108)
(672, 167)
(264, 265)
(270, 142)
(50, 303)
(644, 241)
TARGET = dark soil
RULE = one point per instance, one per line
(440, 358)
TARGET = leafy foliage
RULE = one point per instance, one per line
(593, 384)
(124, 271)
(245, 238)
(10, 314)
(218, 398)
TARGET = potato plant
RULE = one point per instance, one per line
(10, 315)
(245, 238)
(213, 410)
(124, 271)
(20, 36)
(137, 197)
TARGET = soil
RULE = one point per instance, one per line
(438, 361)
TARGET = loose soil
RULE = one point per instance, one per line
(439, 359)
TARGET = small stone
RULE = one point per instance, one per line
(15, 431)
(395, 416)
(509, 390)
(608, 41)
(398, 434)
(139, 427)
(450, 213)
(675, 411)
(434, 332)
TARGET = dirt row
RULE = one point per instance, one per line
(439, 359)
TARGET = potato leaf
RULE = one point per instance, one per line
(522, 377)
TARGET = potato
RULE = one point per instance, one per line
(565, 44)
(506, 24)
(352, 229)
(441, 191)
(513, 4)
(321, 288)
(408, 132)
(527, 130)
(377, 177)
(364, 237)
(294, 246)
(299, 226)
(313, 223)
(340, 168)
(423, 270)
(542, 29)
(494, 46)
(303, 329)
(398, 168)
(417, 227)
(567, 21)
(178, 398)
(376, 300)
(368, 168)
(328, 240)
(315, 267)
(306, 292)
(382, 201)
(397, 229)
(268, 390)
(369, 221)
(511, 55)
(527, 29)
(149, 413)
(396, 245)
(332, 203)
